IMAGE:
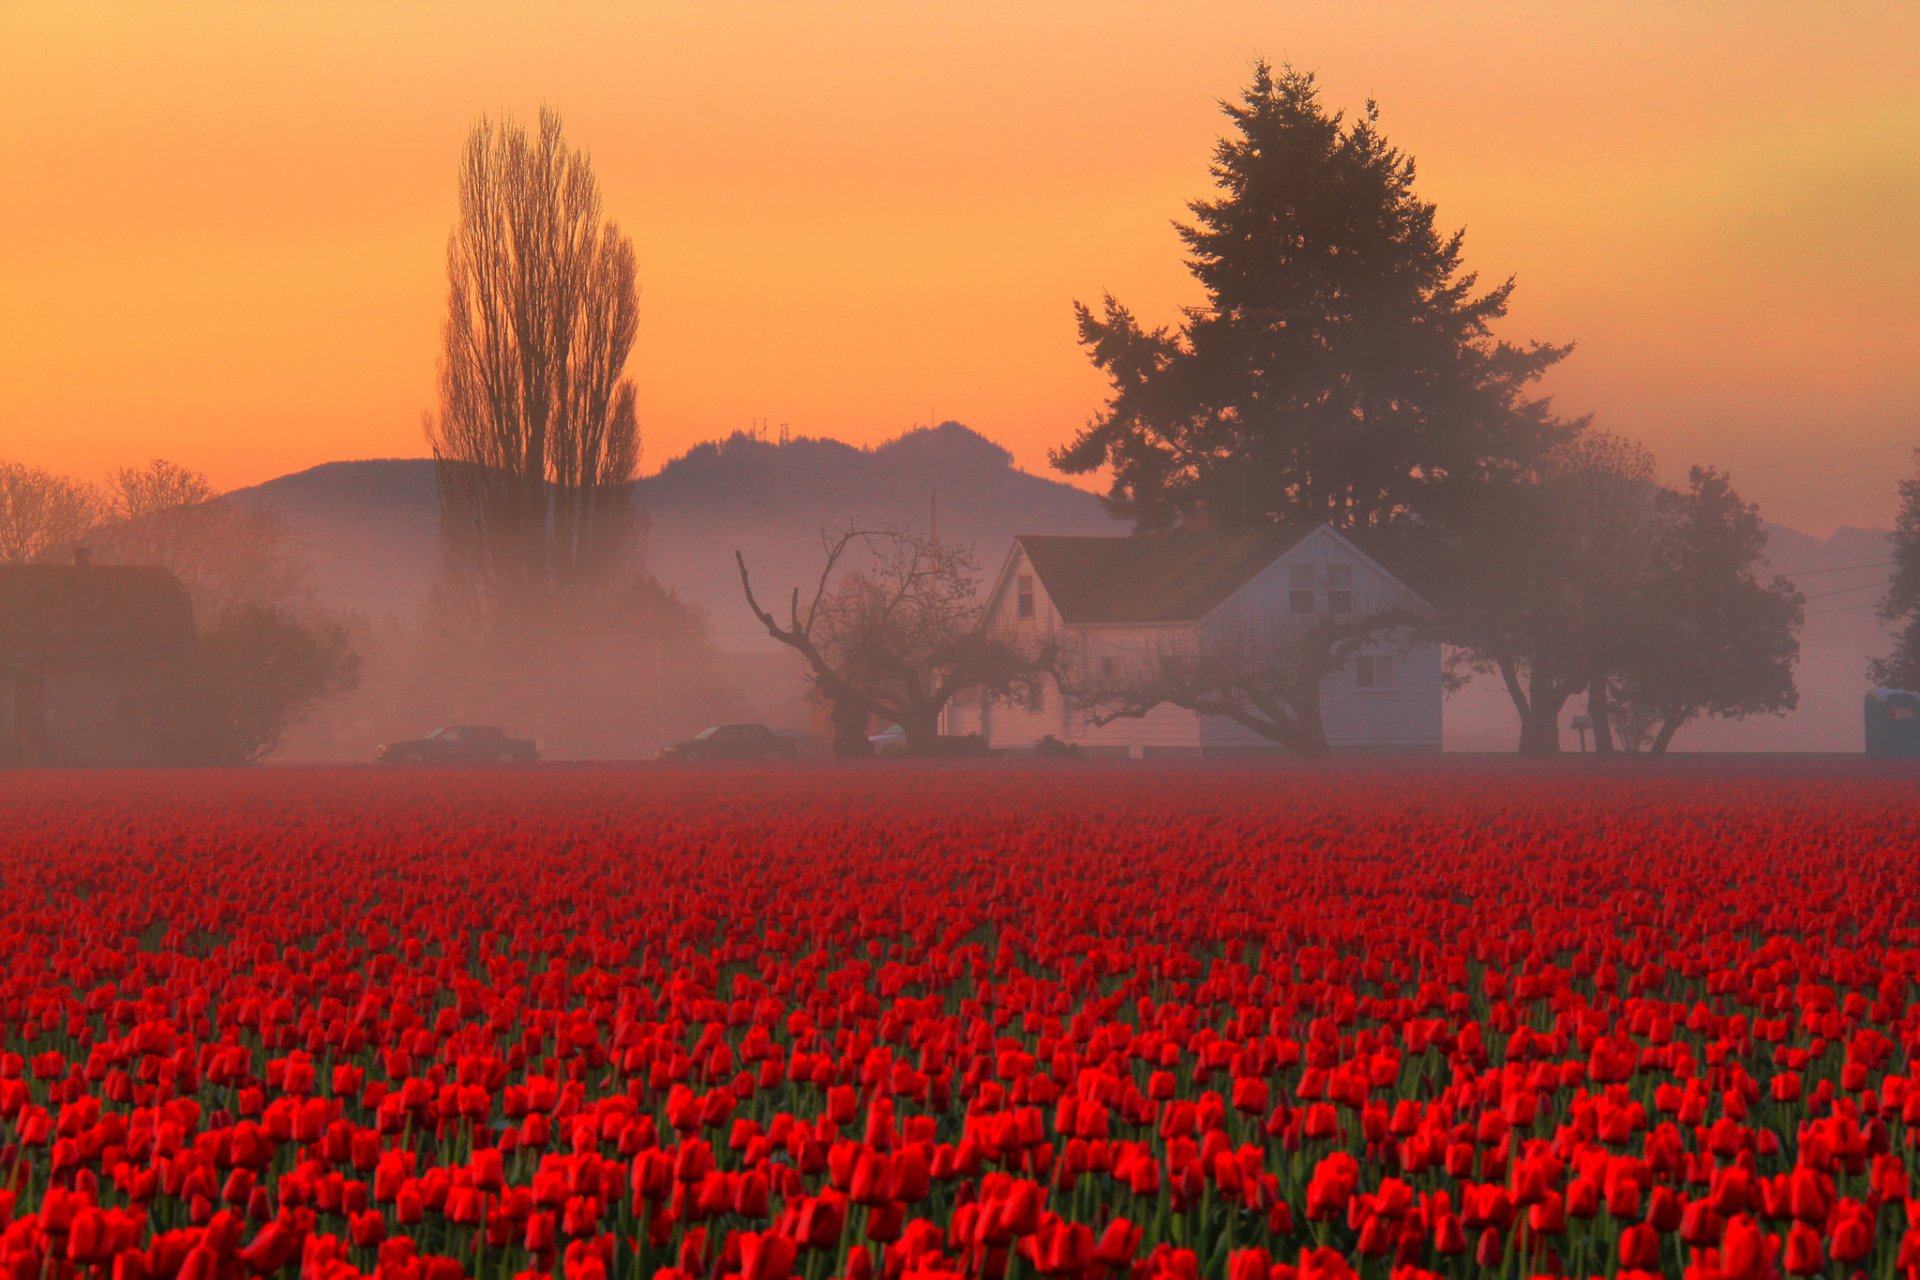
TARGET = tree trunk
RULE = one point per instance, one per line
(850, 717)
(1669, 727)
(1309, 733)
(1540, 726)
(923, 733)
(1599, 711)
(1310, 740)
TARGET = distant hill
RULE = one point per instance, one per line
(372, 528)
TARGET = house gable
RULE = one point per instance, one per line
(1373, 588)
(1148, 578)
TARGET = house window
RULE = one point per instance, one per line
(1339, 589)
(1024, 605)
(1300, 595)
(1373, 671)
(1037, 696)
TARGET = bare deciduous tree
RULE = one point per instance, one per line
(1264, 675)
(898, 636)
(535, 436)
(230, 555)
(42, 513)
(134, 493)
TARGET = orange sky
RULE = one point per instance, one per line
(222, 226)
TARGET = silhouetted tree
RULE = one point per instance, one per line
(229, 554)
(897, 636)
(138, 493)
(1900, 669)
(535, 436)
(1543, 581)
(1342, 367)
(42, 513)
(258, 670)
(1708, 637)
(266, 655)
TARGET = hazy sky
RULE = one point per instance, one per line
(222, 226)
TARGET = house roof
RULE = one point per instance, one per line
(63, 614)
(1153, 577)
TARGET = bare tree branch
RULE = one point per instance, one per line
(896, 635)
(535, 438)
(42, 513)
(1266, 678)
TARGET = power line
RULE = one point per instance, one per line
(1840, 568)
(1864, 586)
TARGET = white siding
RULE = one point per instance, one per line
(1404, 717)
(1008, 724)
(1266, 596)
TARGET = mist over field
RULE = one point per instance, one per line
(372, 527)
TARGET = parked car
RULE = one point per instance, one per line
(460, 744)
(890, 741)
(733, 742)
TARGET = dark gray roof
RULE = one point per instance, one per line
(1154, 577)
(92, 613)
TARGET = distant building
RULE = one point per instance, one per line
(1112, 603)
(1893, 723)
(91, 658)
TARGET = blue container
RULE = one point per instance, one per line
(1893, 724)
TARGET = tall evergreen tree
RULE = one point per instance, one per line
(1342, 367)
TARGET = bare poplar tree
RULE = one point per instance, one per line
(535, 435)
(41, 513)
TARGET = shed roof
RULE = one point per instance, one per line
(1176, 576)
(62, 614)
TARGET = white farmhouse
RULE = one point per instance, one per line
(1110, 604)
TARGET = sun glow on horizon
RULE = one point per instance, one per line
(224, 230)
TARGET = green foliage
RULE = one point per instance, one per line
(1342, 367)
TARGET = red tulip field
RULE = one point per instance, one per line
(891, 1023)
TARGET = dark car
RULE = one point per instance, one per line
(733, 742)
(460, 744)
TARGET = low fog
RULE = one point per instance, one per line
(370, 530)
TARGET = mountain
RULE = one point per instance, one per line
(373, 526)
(372, 529)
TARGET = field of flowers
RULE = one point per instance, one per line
(970, 1022)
